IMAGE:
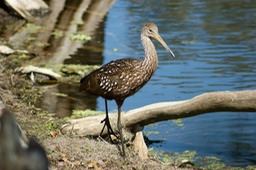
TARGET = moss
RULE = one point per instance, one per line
(58, 33)
(251, 167)
(178, 122)
(208, 162)
(148, 133)
(44, 129)
(33, 27)
(23, 56)
(80, 37)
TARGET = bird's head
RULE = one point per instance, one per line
(150, 30)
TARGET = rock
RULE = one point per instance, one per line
(140, 146)
(15, 152)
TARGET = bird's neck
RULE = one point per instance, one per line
(150, 60)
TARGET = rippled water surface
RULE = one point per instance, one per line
(215, 47)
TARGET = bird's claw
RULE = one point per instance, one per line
(103, 120)
(111, 134)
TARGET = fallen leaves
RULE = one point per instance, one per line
(94, 164)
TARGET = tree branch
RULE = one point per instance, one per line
(238, 101)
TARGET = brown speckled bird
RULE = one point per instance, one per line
(122, 78)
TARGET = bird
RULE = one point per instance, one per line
(122, 78)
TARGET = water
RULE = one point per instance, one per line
(215, 47)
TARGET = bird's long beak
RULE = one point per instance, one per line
(159, 39)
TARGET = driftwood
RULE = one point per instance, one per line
(28, 9)
(239, 101)
(7, 50)
(33, 69)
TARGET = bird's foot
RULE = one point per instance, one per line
(111, 136)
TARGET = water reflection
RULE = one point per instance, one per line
(73, 17)
(214, 42)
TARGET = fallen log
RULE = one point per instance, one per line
(28, 9)
(222, 101)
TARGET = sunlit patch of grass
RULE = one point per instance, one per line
(84, 113)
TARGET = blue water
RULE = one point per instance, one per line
(215, 47)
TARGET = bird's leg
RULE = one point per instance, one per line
(119, 126)
(107, 123)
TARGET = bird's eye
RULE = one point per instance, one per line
(150, 30)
